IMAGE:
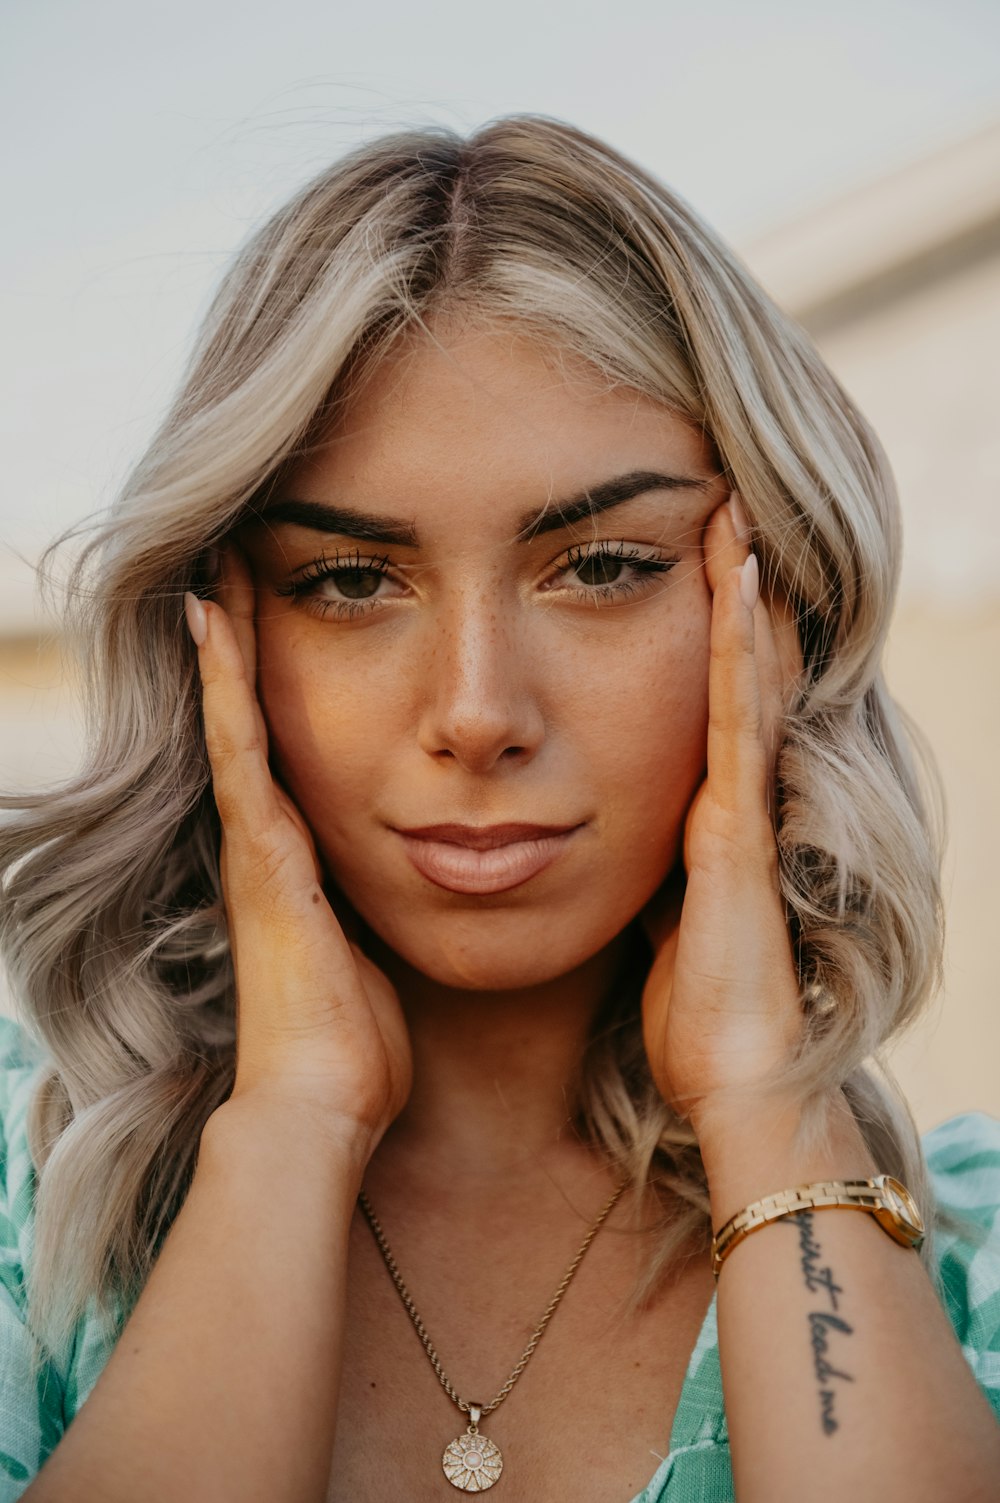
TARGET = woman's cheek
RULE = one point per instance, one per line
(322, 734)
(629, 722)
(657, 728)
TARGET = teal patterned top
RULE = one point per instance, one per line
(963, 1155)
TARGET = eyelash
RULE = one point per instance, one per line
(306, 585)
(313, 574)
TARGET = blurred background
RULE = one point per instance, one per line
(850, 155)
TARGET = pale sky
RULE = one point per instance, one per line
(144, 141)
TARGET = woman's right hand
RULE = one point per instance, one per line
(318, 1025)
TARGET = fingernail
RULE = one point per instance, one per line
(739, 517)
(750, 581)
(196, 618)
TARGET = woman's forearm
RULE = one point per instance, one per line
(223, 1385)
(841, 1374)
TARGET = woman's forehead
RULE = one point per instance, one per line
(489, 370)
(491, 413)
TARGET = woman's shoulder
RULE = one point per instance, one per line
(963, 1160)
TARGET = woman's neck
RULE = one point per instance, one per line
(495, 1073)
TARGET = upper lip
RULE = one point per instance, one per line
(485, 837)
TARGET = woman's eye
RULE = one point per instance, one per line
(357, 584)
(599, 569)
(339, 586)
(350, 586)
(611, 571)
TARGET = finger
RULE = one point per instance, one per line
(725, 543)
(737, 764)
(771, 682)
(777, 646)
(737, 758)
(780, 664)
(235, 593)
(293, 813)
(237, 750)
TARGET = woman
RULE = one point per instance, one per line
(521, 843)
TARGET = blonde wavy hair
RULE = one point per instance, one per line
(112, 923)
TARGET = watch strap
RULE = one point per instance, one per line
(882, 1197)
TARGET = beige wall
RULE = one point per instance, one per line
(40, 732)
(942, 667)
(924, 366)
(922, 362)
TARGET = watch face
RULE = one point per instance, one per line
(902, 1203)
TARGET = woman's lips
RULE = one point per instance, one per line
(505, 862)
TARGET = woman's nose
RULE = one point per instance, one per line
(479, 706)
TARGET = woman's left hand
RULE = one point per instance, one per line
(721, 1004)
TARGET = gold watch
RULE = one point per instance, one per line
(885, 1198)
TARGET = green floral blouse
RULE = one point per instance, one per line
(964, 1159)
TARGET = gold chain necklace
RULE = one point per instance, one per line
(472, 1463)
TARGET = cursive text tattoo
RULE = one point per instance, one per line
(822, 1323)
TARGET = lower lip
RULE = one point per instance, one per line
(461, 869)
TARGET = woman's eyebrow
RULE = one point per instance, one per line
(371, 527)
(345, 521)
(598, 498)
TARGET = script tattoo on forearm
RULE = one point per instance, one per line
(821, 1322)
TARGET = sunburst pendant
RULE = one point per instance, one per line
(471, 1462)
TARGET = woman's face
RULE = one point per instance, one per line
(491, 648)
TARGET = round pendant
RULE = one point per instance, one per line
(472, 1463)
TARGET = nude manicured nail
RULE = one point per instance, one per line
(750, 581)
(196, 618)
(739, 517)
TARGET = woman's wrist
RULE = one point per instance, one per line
(254, 1123)
(757, 1149)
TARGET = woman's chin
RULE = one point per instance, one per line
(479, 970)
(532, 957)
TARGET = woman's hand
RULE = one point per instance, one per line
(721, 1005)
(318, 1025)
